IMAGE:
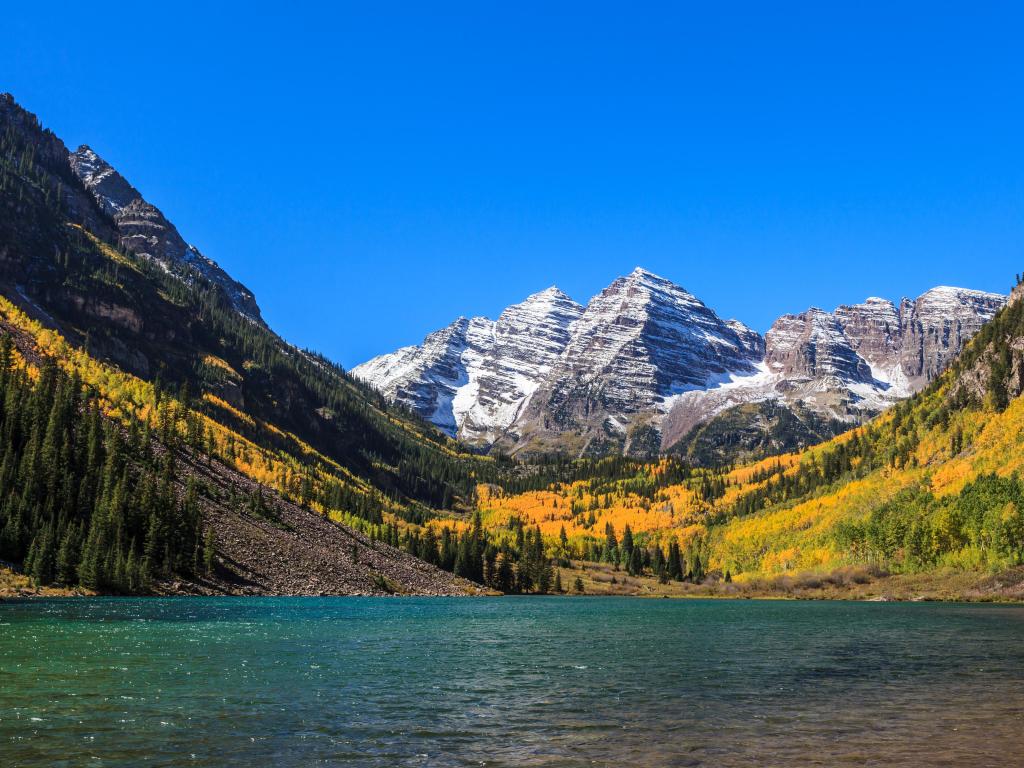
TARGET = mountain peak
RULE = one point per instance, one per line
(551, 293)
(145, 230)
(653, 287)
(951, 291)
(111, 190)
(549, 373)
(639, 273)
(957, 301)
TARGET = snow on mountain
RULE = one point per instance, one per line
(472, 378)
(849, 364)
(646, 361)
(751, 342)
(145, 230)
(640, 342)
(645, 338)
(427, 378)
(529, 339)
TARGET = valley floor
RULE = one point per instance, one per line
(14, 584)
(600, 579)
(854, 583)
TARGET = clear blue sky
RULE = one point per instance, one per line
(374, 170)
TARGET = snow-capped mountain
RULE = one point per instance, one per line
(145, 230)
(428, 377)
(645, 362)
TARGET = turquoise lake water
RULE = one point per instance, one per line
(509, 682)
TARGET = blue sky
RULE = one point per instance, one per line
(374, 170)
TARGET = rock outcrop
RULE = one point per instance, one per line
(144, 230)
(812, 345)
(935, 327)
(845, 366)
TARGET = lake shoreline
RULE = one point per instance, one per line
(951, 587)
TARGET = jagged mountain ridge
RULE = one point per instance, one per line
(838, 368)
(645, 363)
(472, 377)
(146, 231)
(639, 342)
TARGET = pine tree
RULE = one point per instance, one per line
(627, 542)
(635, 567)
(696, 569)
(675, 562)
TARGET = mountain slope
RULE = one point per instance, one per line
(116, 487)
(638, 343)
(428, 378)
(144, 332)
(473, 378)
(834, 369)
(529, 339)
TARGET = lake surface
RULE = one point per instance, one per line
(509, 682)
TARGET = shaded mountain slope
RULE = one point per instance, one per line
(62, 259)
(164, 347)
(145, 231)
(112, 485)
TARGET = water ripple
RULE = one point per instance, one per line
(509, 682)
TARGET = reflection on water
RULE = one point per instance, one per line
(509, 682)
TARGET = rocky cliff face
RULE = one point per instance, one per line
(146, 231)
(529, 339)
(640, 342)
(427, 378)
(935, 327)
(646, 362)
(751, 342)
(845, 366)
(813, 345)
(872, 329)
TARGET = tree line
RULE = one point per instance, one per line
(513, 564)
(85, 501)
